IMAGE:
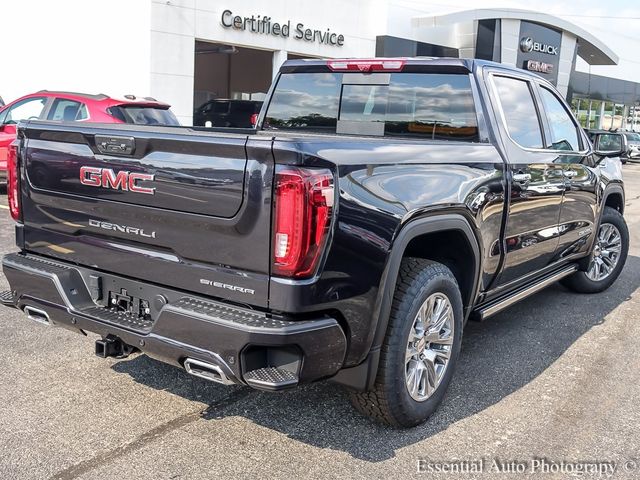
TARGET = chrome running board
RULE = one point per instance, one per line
(499, 305)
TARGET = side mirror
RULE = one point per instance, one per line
(9, 128)
(609, 145)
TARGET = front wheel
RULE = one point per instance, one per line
(420, 349)
(608, 258)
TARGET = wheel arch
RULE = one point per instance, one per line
(613, 197)
(362, 376)
(433, 226)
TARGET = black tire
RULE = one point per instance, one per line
(390, 401)
(580, 281)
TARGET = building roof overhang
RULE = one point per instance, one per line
(591, 49)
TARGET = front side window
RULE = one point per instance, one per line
(632, 137)
(28, 109)
(520, 113)
(564, 133)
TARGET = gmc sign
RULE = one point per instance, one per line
(541, 67)
(123, 180)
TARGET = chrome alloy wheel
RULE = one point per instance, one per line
(606, 252)
(429, 346)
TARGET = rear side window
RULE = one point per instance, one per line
(243, 108)
(220, 107)
(520, 113)
(423, 105)
(143, 115)
(64, 110)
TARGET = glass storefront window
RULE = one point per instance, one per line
(598, 114)
(607, 117)
(618, 117)
(595, 109)
(580, 108)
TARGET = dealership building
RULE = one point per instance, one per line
(187, 52)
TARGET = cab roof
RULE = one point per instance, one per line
(395, 64)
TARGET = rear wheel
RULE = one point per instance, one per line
(421, 346)
(608, 258)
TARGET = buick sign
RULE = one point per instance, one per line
(528, 45)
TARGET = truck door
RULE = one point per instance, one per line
(578, 214)
(537, 182)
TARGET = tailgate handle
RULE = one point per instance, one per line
(115, 145)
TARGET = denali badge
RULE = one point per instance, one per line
(121, 228)
(226, 286)
(584, 232)
(123, 180)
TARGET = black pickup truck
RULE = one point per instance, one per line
(377, 205)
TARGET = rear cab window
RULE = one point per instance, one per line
(143, 115)
(433, 106)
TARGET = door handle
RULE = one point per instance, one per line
(570, 173)
(521, 177)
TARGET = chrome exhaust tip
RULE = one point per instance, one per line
(37, 315)
(208, 371)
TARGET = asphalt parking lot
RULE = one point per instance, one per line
(554, 377)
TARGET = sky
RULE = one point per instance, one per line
(615, 22)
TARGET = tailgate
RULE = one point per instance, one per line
(167, 205)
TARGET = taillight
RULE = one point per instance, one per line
(254, 119)
(368, 65)
(303, 208)
(13, 184)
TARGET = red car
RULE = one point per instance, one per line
(79, 107)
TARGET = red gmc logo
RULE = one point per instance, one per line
(123, 180)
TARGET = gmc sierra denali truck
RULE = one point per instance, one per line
(377, 205)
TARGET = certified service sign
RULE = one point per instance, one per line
(265, 25)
